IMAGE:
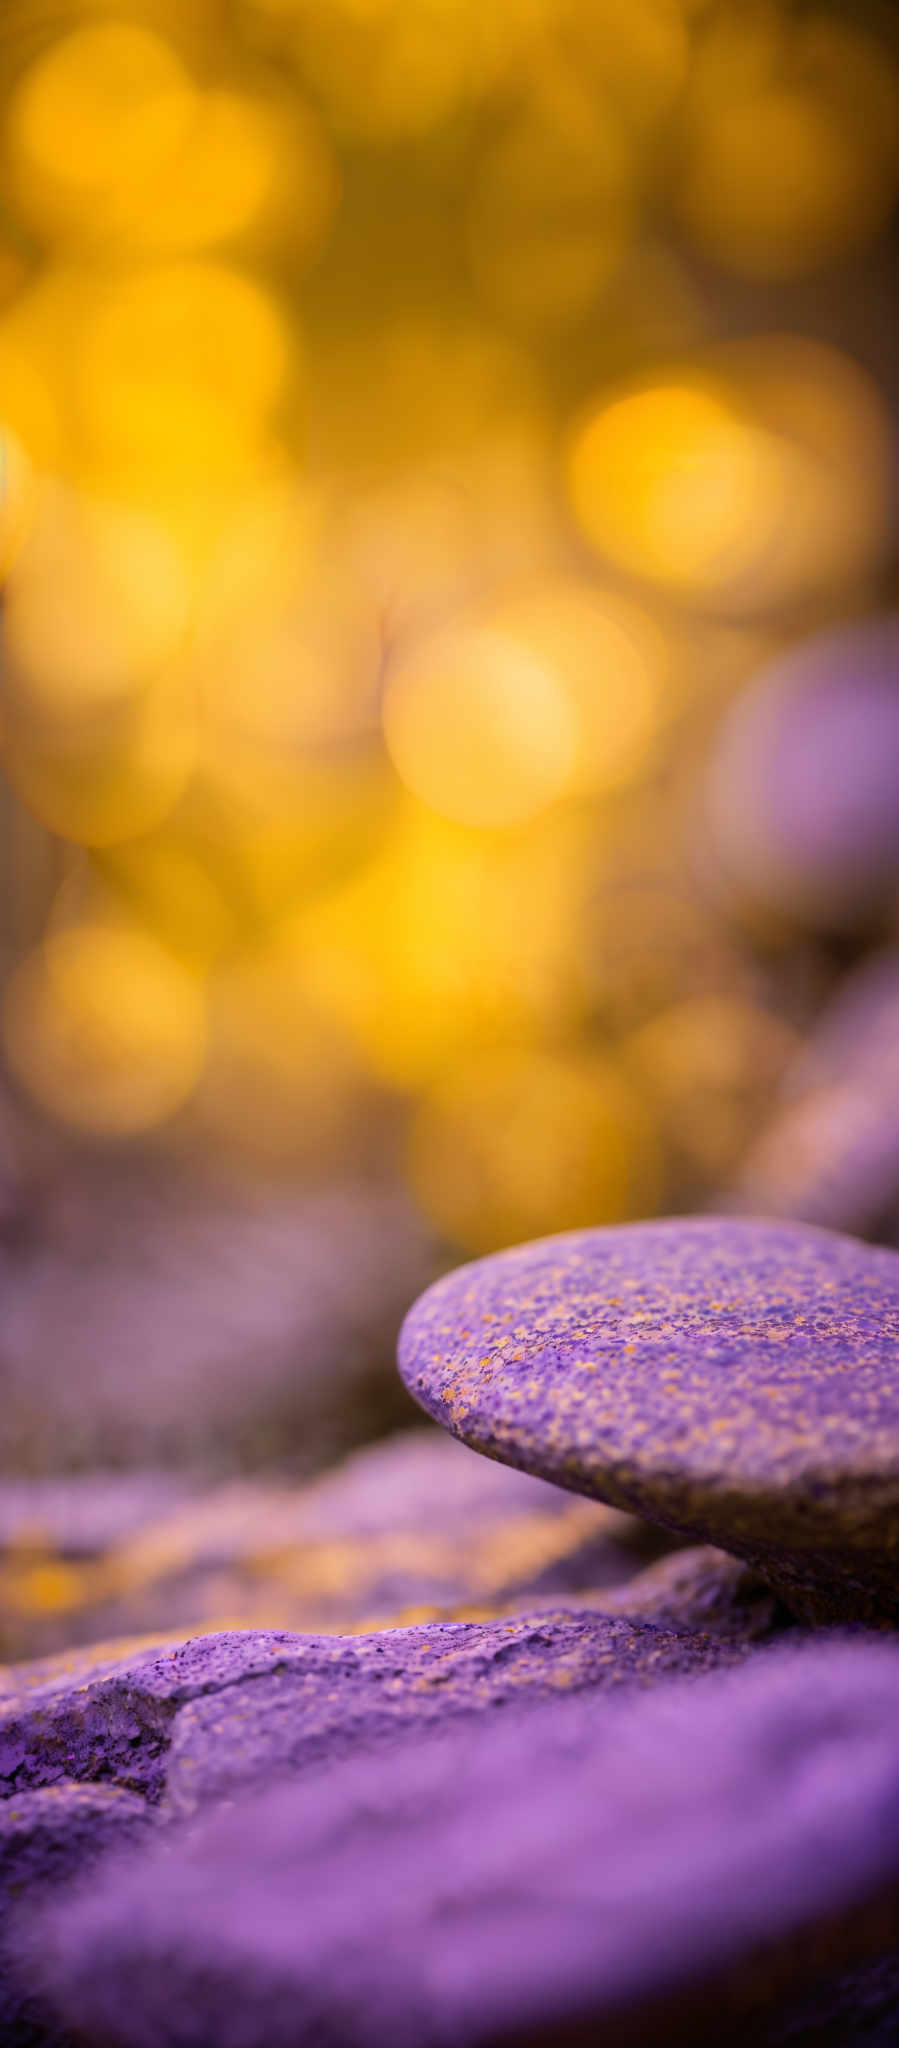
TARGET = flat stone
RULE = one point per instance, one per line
(265, 1701)
(640, 1869)
(733, 1379)
(343, 1694)
(411, 1528)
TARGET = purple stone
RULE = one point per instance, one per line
(735, 1380)
(635, 1869)
(411, 1528)
(46, 1838)
(190, 1722)
(803, 792)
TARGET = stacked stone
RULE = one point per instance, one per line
(669, 1812)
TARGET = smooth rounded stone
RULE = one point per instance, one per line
(735, 1380)
(639, 1870)
(277, 1700)
(408, 1529)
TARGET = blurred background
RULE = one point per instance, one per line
(450, 674)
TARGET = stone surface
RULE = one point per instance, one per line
(640, 1870)
(736, 1380)
(703, 1589)
(194, 1718)
(340, 1695)
(411, 1528)
(47, 1837)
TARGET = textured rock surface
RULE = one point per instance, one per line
(216, 1710)
(701, 1589)
(411, 1528)
(638, 1870)
(736, 1380)
(344, 1694)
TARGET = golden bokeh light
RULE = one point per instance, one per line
(180, 366)
(479, 729)
(791, 156)
(102, 108)
(18, 493)
(104, 1029)
(670, 483)
(404, 483)
(281, 1086)
(96, 602)
(512, 1144)
(709, 1066)
(106, 773)
(389, 70)
(616, 665)
(754, 479)
(551, 214)
(451, 939)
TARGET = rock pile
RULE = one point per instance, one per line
(659, 1807)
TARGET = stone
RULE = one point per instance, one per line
(642, 1869)
(801, 798)
(47, 1837)
(187, 1721)
(701, 1589)
(409, 1529)
(734, 1379)
(829, 1150)
(344, 1694)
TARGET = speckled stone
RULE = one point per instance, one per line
(639, 1870)
(190, 1721)
(340, 1695)
(736, 1380)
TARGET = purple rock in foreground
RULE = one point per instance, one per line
(190, 1722)
(735, 1380)
(640, 1870)
(46, 1838)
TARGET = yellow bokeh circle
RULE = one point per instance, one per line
(479, 729)
(513, 1144)
(104, 1029)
